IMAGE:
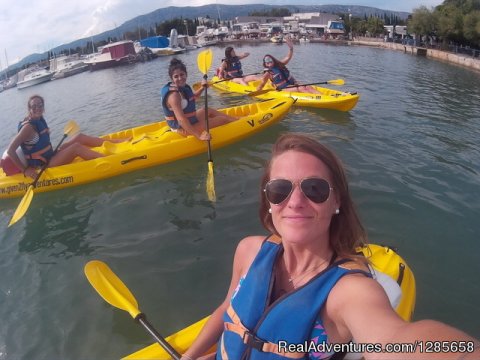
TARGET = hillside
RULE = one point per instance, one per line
(226, 12)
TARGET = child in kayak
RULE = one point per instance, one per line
(231, 68)
(276, 71)
(178, 102)
(34, 139)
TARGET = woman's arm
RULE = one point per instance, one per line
(211, 332)
(358, 308)
(286, 59)
(243, 56)
(25, 133)
(263, 81)
(174, 100)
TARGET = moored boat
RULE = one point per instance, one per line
(114, 54)
(35, 77)
(327, 99)
(384, 262)
(150, 145)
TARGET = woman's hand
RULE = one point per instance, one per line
(289, 42)
(205, 136)
(30, 172)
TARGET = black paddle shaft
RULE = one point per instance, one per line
(44, 167)
(159, 338)
(207, 128)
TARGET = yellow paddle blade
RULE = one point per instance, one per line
(211, 183)
(22, 207)
(71, 128)
(204, 61)
(336, 82)
(110, 287)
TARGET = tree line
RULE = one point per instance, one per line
(454, 21)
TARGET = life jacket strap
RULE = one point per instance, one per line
(251, 340)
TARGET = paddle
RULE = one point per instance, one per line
(114, 292)
(204, 61)
(70, 128)
(197, 84)
(263, 91)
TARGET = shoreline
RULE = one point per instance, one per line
(451, 58)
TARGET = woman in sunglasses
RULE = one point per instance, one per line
(304, 284)
(34, 139)
(276, 71)
(231, 67)
(179, 106)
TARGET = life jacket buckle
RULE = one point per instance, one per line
(252, 341)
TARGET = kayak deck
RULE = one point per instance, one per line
(149, 145)
(327, 99)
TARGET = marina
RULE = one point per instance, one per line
(410, 146)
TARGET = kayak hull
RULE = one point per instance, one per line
(328, 99)
(151, 145)
(382, 258)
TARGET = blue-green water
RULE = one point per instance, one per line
(413, 159)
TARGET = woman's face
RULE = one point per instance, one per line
(268, 62)
(299, 219)
(36, 108)
(179, 78)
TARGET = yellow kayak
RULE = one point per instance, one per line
(328, 99)
(382, 258)
(151, 145)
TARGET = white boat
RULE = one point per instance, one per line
(64, 66)
(34, 77)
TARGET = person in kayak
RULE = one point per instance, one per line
(305, 284)
(178, 102)
(276, 71)
(34, 139)
(231, 68)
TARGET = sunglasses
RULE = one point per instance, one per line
(315, 189)
(268, 61)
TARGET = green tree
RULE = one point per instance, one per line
(471, 28)
(423, 22)
(375, 26)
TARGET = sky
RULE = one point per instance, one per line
(28, 27)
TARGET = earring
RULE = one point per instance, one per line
(337, 211)
(270, 210)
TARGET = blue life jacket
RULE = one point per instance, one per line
(234, 68)
(189, 110)
(39, 153)
(281, 78)
(253, 326)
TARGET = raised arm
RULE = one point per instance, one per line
(243, 56)
(287, 58)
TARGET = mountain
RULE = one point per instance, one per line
(224, 12)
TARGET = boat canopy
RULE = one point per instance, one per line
(155, 42)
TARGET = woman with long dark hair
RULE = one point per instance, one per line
(276, 71)
(231, 67)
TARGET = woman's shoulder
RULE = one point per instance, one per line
(247, 250)
(251, 242)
